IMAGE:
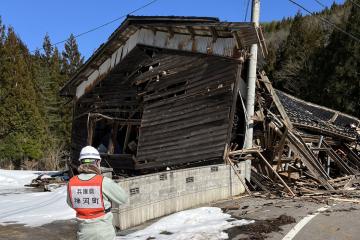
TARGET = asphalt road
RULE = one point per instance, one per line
(337, 221)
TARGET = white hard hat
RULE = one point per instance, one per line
(89, 152)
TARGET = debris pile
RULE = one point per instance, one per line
(302, 149)
(50, 181)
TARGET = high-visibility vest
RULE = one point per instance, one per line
(86, 197)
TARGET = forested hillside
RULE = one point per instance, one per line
(311, 60)
(35, 121)
(307, 58)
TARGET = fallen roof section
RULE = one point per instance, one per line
(310, 116)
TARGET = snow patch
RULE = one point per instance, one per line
(35, 209)
(12, 179)
(197, 224)
(30, 208)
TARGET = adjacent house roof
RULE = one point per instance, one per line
(305, 115)
(203, 35)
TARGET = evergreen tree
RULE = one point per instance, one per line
(48, 48)
(72, 58)
(49, 80)
(2, 32)
(305, 38)
(23, 136)
(342, 75)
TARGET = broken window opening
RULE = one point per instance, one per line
(113, 137)
(239, 124)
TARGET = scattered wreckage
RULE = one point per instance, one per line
(50, 180)
(303, 149)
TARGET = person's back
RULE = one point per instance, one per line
(91, 194)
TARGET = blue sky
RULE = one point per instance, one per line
(33, 19)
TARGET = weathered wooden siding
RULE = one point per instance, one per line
(78, 137)
(183, 101)
(110, 98)
(186, 113)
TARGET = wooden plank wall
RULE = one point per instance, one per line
(111, 98)
(184, 100)
(186, 112)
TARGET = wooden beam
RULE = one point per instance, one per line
(281, 149)
(234, 100)
(191, 31)
(90, 131)
(239, 42)
(112, 141)
(171, 32)
(237, 174)
(276, 174)
(277, 102)
(127, 136)
(214, 33)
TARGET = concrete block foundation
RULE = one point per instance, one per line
(156, 195)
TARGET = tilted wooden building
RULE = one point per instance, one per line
(162, 92)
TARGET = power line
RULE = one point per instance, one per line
(105, 24)
(98, 27)
(247, 9)
(320, 3)
(326, 21)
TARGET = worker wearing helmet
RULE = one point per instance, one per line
(90, 195)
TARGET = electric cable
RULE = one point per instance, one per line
(107, 23)
(96, 28)
(320, 3)
(247, 10)
(326, 21)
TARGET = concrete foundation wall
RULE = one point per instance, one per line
(155, 195)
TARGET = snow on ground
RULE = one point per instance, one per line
(11, 179)
(39, 208)
(30, 208)
(197, 224)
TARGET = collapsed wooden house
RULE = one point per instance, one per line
(162, 92)
(301, 147)
(168, 92)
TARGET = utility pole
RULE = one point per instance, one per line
(251, 83)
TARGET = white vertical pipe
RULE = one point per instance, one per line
(250, 98)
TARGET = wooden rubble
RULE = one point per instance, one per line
(289, 162)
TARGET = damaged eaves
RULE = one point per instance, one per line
(202, 35)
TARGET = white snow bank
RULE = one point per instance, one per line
(35, 209)
(12, 179)
(196, 224)
(30, 208)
